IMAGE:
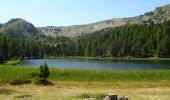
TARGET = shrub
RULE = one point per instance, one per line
(44, 71)
(19, 82)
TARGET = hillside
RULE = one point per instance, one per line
(159, 15)
(23, 29)
(20, 28)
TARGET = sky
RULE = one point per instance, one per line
(73, 12)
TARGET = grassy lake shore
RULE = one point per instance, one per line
(109, 58)
(9, 72)
(76, 84)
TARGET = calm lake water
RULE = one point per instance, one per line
(99, 64)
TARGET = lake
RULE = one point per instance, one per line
(99, 64)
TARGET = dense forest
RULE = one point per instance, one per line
(130, 40)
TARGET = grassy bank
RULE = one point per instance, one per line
(13, 62)
(109, 58)
(12, 72)
(73, 84)
(72, 57)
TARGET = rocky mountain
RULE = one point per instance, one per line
(159, 15)
(20, 28)
(1, 25)
(23, 29)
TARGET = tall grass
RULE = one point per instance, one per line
(8, 72)
(109, 76)
(13, 72)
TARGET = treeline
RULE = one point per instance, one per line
(14, 48)
(130, 40)
(18, 48)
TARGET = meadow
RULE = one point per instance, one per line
(78, 84)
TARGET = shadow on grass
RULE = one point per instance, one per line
(19, 82)
(44, 82)
(96, 96)
(23, 96)
(7, 91)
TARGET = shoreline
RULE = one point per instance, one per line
(109, 58)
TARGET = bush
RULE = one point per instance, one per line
(44, 71)
(19, 82)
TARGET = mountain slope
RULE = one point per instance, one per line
(23, 29)
(20, 28)
(159, 15)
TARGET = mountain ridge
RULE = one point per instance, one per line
(20, 28)
(159, 15)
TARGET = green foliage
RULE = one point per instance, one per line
(44, 71)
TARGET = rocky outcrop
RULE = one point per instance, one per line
(115, 97)
(159, 15)
(111, 97)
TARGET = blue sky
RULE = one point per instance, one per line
(73, 12)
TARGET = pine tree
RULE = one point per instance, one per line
(44, 71)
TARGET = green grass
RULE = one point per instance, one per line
(9, 72)
(13, 62)
(17, 72)
(109, 76)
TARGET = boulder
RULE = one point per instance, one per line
(123, 98)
